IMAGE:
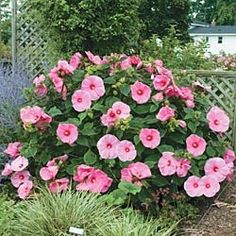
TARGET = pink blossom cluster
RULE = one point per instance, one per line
(16, 168)
(40, 87)
(91, 179)
(118, 111)
(110, 147)
(216, 169)
(50, 171)
(226, 61)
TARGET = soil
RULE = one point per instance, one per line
(220, 218)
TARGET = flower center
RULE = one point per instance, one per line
(118, 111)
(21, 165)
(140, 92)
(112, 114)
(162, 83)
(195, 185)
(109, 146)
(79, 100)
(149, 138)
(21, 177)
(216, 168)
(168, 162)
(67, 133)
(207, 185)
(127, 149)
(216, 122)
(195, 145)
(92, 86)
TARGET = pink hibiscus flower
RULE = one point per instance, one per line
(165, 114)
(13, 149)
(20, 177)
(40, 88)
(81, 100)
(121, 110)
(109, 119)
(158, 97)
(94, 86)
(182, 167)
(135, 172)
(7, 170)
(48, 173)
(125, 64)
(196, 145)
(136, 61)
(167, 164)
(216, 167)
(57, 160)
(150, 138)
(25, 189)
(161, 82)
(218, 120)
(67, 133)
(182, 124)
(19, 164)
(140, 92)
(75, 60)
(126, 151)
(96, 59)
(82, 172)
(107, 146)
(229, 156)
(210, 186)
(193, 186)
(59, 185)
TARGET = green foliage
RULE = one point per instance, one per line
(97, 25)
(159, 16)
(225, 14)
(53, 214)
(175, 54)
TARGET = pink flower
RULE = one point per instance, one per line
(109, 118)
(182, 167)
(210, 186)
(19, 178)
(136, 61)
(140, 92)
(96, 59)
(39, 80)
(182, 124)
(41, 90)
(121, 110)
(190, 104)
(135, 172)
(59, 185)
(161, 82)
(25, 189)
(67, 133)
(82, 172)
(216, 167)
(19, 164)
(126, 151)
(165, 114)
(172, 91)
(186, 93)
(57, 160)
(64, 68)
(13, 149)
(218, 120)
(96, 182)
(75, 60)
(159, 96)
(107, 146)
(7, 170)
(149, 68)
(230, 175)
(167, 164)
(125, 64)
(150, 138)
(81, 100)
(229, 156)
(48, 173)
(94, 86)
(193, 186)
(196, 145)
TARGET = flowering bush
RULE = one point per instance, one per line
(228, 62)
(122, 126)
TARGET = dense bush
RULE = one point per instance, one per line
(121, 126)
(224, 61)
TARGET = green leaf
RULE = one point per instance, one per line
(128, 187)
(210, 151)
(28, 151)
(54, 111)
(160, 181)
(110, 80)
(165, 148)
(153, 108)
(90, 157)
(151, 164)
(192, 126)
(99, 107)
(83, 141)
(136, 139)
(177, 181)
(74, 121)
(125, 90)
(142, 109)
(116, 197)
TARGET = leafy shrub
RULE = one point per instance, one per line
(50, 214)
(123, 126)
(227, 62)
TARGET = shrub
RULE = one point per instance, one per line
(227, 62)
(121, 126)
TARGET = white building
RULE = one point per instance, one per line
(219, 38)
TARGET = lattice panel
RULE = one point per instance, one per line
(31, 47)
(222, 93)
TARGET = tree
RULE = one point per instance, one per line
(226, 13)
(5, 21)
(102, 26)
(158, 16)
